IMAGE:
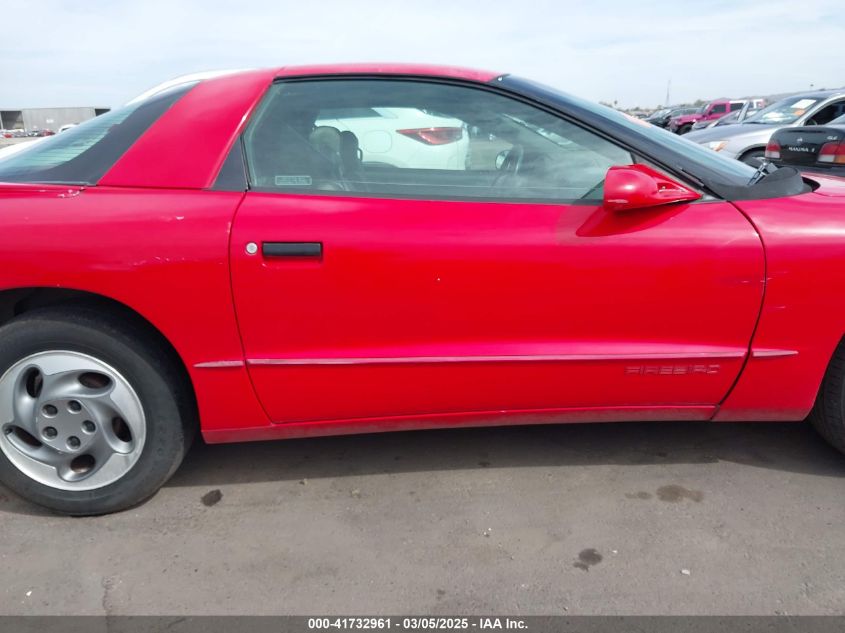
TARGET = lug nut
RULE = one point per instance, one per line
(73, 442)
(50, 432)
(88, 426)
(74, 407)
(49, 410)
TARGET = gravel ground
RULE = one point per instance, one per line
(5, 142)
(676, 518)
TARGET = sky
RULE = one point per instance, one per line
(104, 52)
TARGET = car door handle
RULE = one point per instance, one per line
(311, 250)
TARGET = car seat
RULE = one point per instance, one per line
(325, 140)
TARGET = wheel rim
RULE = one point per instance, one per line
(70, 421)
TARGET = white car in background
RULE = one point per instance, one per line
(403, 137)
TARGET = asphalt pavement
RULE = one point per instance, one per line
(671, 518)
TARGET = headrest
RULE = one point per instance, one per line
(326, 140)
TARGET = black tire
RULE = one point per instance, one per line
(753, 157)
(150, 368)
(828, 414)
(685, 128)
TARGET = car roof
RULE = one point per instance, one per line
(817, 94)
(375, 68)
(381, 68)
(184, 79)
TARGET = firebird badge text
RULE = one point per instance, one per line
(670, 370)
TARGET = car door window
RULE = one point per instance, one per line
(827, 113)
(718, 109)
(420, 139)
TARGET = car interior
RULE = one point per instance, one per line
(827, 114)
(512, 150)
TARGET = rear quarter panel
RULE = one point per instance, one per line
(152, 236)
(162, 253)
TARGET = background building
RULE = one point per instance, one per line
(30, 119)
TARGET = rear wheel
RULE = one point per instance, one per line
(94, 413)
(753, 157)
(828, 414)
(685, 128)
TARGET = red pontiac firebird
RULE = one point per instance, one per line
(343, 249)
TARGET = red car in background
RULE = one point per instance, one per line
(211, 258)
(712, 111)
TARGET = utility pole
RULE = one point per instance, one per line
(668, 88)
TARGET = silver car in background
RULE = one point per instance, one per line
(747, 141)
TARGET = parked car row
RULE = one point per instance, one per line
(18, 133)
(747, 141)
(736, 116)
(805, 130)
(661, 118)
(683, 119)
(713, 112)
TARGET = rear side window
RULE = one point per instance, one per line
(420, 139)
(83, 154)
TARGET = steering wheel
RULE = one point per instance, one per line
(513, 160)
(511, 164)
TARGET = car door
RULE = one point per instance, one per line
(716, 110)
(455, 258)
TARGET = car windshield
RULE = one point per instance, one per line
(84, 153)
(784, 111)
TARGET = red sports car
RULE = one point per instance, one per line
(277, 253)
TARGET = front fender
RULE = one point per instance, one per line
(803, 315)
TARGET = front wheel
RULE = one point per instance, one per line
(828, 414)
(94, 414)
